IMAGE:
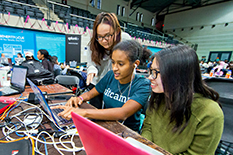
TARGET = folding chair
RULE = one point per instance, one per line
(68, 81)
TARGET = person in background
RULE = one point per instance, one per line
(3, 55)
(29, 56)
(145, 57)
(106, 34)
(19, 55)
(230, 67)
(57, 68)
(19, 59)
(125, 93)
(183, 115)
(4, 60)
(43, 55)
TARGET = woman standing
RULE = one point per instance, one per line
(106, 34)
(183, 115)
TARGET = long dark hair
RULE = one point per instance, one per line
(98, 51)
(46, 54)
(54, 59)
(181, 78)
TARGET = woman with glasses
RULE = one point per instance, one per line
(106, 34)
(183, 115)
(124, 93)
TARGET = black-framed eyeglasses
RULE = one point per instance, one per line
(106, 37)
(154, 73)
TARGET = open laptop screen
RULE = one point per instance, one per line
(41, 99)
(18, 77)
(19, 60)
(100, 141)
(4, 61)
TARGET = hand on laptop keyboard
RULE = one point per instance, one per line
(65, 111)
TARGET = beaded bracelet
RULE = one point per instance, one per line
(80, 97)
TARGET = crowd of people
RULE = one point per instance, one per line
(183, 114)
(219, 68)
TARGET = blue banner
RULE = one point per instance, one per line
(14, 40)
(12, 43)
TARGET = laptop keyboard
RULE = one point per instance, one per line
(62, 120)
(8, 90)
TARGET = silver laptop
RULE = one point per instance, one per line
(18, 81)
(58, 120)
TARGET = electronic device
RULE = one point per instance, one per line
(32, 121)
(34, 100)
(4, 61)
(99, 141)
(19, 60)
(59, 121)
(138, 144)
(18, 81)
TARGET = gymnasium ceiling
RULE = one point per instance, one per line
(163, 7)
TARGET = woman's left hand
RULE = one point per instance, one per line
(67, 111)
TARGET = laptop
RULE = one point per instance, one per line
(19, 60)
(100, 141)
(58, 120)
(18, 81)
(4, 61)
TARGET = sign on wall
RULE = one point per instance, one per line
(73, 47)
(12, 43)
(53, 43)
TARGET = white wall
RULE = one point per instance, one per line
(219, 38)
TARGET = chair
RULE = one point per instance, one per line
(29, 11)
(68, 81)
(20, 12)
(56, 72)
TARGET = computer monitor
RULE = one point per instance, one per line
(19, 60)
(4, 61)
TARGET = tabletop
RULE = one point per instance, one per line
(113, 126)
(50, 89)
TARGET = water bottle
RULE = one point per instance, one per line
(228, 75)
(211, 72)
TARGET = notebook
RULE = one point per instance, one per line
(18, 81)
(59, 121)
(100, 141)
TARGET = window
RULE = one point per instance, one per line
(137, 16)
(221, 55)
(152, 22)
(98, 4)
(93, 3)
(123, 11)
(118, 9)
(141, 17)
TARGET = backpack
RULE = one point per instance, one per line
(37, 73)
(82, 77)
